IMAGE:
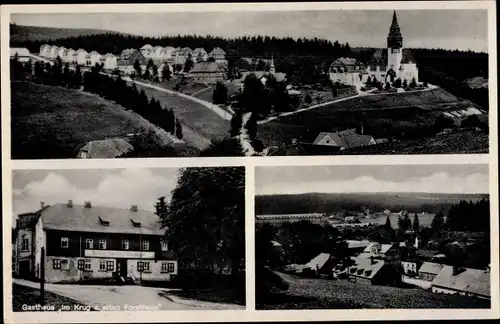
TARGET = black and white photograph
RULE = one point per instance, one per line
(128, 239)
(248, 83)
(373, 237)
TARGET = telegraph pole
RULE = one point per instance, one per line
(42, 277)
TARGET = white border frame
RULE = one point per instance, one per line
(249, 314)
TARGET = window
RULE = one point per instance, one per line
(88, 264)
(145, 245)
(102, 265)
(89, 243)
(25, 244)
(81, 264)
(170, 266)
(142, 266)
(110, 265)
(64, 265)
(64, 242)
(102, 244)
(125, 244)
(164, 246)
(56, 264)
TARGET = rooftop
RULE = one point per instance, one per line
(108, 148)
(470, 280)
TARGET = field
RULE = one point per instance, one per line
(460, 142)
(383, 116)
(55, 122)
(341, 294)
(22, 295)
(200, 125)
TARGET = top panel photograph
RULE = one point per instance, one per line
(248, 83)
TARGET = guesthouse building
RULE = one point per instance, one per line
(86, 242)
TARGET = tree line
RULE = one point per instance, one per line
(107, 87)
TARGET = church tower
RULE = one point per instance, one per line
(272, 68)
(394, 46)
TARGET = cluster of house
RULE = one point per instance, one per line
(208, 67)
(388, 264)
(386, 65)
(316, 218)
(84, 242)
(22, 54)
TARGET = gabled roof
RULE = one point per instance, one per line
(431, 267)
(346, 138)
(81, 51)
(199, 50)
(471, 280)
(217, 51)
(364, 268)
(147, 47)
(94, 53)
(108, 148)
(79, 218)
(126, 53)
(20, 51)
(319, 261)
(207, 67)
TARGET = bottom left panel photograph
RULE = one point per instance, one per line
(130, 239)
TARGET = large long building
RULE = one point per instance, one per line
(88, 242)
(386, 65)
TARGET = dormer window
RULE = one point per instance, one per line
(103, 221)
(135, 224)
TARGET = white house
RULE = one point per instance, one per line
(61, 51)
(110, 61)
(45, 50)
(147, 50)
(166, 53)
(53, 52)
(199, 54)
(344, 139)
(94, 58)
(69, 55)
(23, 54)
(81, 57)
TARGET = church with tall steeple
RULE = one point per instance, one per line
(386, 65)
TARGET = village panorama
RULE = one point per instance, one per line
(89, 93)
(326, 238)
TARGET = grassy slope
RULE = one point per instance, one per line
(324, 294)
(384, 115)
(35, 33)
(22, 295)
(203, 122)
(64, 120)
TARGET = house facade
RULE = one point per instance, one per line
(70, 53)
(127, 59)
(373, 272)
(95, 58)
(345, 139)
(84, 242)
(463, 281)
(53, 52)
(110, 61)
(199, 55)
(429, 270)
(80, 57)
(23, 54)
(147, 50)
(208, 72)
(44, 50)
(218, 55)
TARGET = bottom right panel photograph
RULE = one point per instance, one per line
(372, 236)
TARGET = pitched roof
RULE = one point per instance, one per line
(217, 51)
(126, 53)
(353, 244)
(94, 53)
(199, 50)
(79, 218)
(431, 267)
(364, 268)
(147, 46)
(347, 138)
(20, 51)
(207, 67)
(108, 148)
(319, 261)
(348, 63)
(471, 280)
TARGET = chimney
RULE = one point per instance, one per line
(42, 204)
(133, 208)
(88, 204)
(70, 203)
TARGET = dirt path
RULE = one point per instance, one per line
(127, 298)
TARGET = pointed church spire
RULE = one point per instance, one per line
(272, 68)
(394, 19)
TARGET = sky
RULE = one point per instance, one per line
(472, 178)
(103, 187)
(450, 29)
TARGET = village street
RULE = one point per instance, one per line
(101, 297)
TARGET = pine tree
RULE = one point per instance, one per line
(388, 223)
(178, 129)
(416, 224)
(78, 78)
(188, 65)
(137, 69)
(165, 73)
(405, 84)
(413, 83)
(437, 222)
(236, 123)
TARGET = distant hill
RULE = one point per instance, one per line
(20, 33)
(331, 202)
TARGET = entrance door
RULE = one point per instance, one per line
(121, 267)
(24, 269)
